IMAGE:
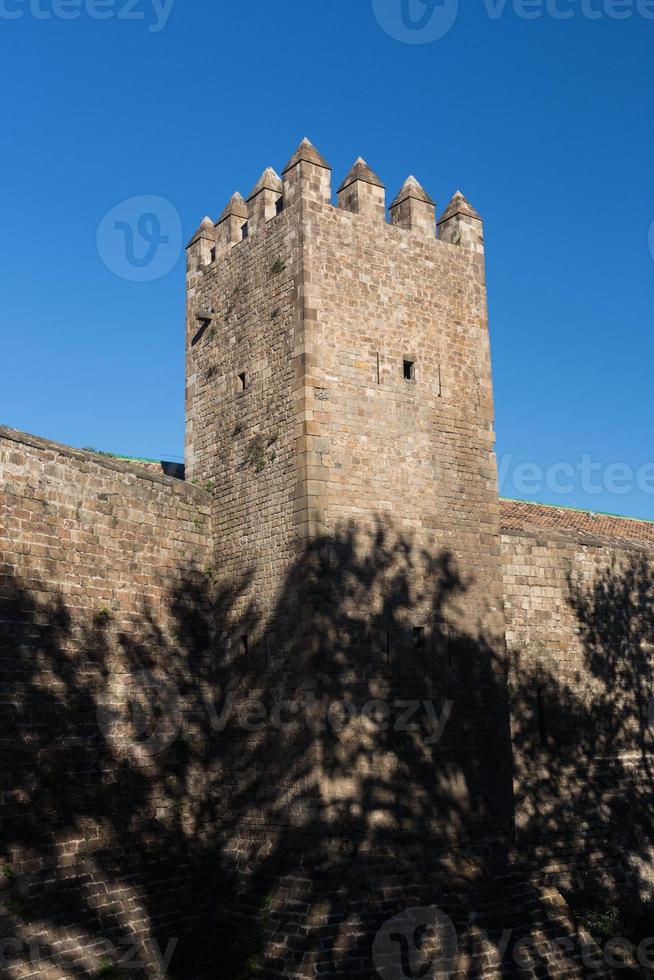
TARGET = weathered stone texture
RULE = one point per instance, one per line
(243, 382)
(338, 543)
(99, 560)
(415, 451)
(579, 602)
(344, 380)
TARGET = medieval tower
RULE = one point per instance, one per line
(338, 370)
(328, 707)
(340, 413)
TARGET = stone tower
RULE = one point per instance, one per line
(340, 411)
(338, 368)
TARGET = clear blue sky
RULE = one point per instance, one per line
(545, 124)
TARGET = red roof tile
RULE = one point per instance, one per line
(520, 515)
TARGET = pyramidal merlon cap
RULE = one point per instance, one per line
(236, 206)
(411, 188)
(306, 151)
(459, 205)
(360, 171)
(206, 230)
(268, 181)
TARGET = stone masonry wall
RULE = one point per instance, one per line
(244, 434)
(419, 452)
(411, 460)
(579, 606)
(103, 604)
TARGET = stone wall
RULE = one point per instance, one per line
(243, 378)
(253, 717)
(103, 602)
(356, 509)
(356, 523)
(399, 449)
(579, 603)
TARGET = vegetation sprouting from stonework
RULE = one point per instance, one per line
(99, 452)
(261, 451)
(359, 807)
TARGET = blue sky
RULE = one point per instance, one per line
(544, 123)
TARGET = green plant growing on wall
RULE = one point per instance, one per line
(256, 454)
(257, 941)
(278, 266)
(608, 917)
(208, 486)
(19, 908)
(7, 872)
(104, 615)
(99, 452)
(260, 452)
(109, 971)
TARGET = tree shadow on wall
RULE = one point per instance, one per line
(583, 731)
(367, 741)
(278, 789)
(95, 782)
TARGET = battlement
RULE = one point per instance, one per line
(306, 183)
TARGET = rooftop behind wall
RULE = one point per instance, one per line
(579, 602)
(527, 517)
